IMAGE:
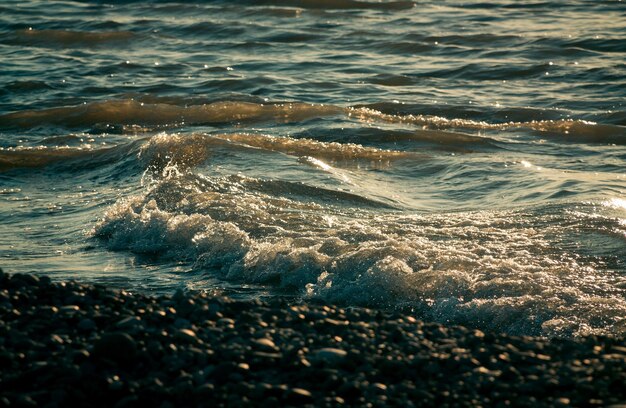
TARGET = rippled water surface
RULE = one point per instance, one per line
(462, 160)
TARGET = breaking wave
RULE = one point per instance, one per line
(489, 269)
(501, 270)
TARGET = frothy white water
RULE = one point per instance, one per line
(509, 271)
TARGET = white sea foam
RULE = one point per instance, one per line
(489, 269)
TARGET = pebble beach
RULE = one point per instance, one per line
(72, 344)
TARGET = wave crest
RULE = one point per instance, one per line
(132, 112)
(168, 114)
(491, 270)
(574, 130)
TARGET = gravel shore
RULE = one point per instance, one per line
(71, 344)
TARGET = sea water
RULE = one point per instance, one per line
(464, 161)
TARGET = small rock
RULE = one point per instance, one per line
(129, 322)
(24, 279)
(118, 347)
(26, 401)
(205, 390)
(115, 384)
(268, 356)
(334, 322)
(225, 321)
(79, 356)
(187, 335)
(329, 355)
(86, 325)
(129, 401)
(55, 338)
(181, 323)
(350, 390)
(265, 344)
(379, 386)
(298, 396)
(69, 309)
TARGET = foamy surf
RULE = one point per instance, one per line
(497, 270)
(508, 271)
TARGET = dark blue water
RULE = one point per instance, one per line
(463, 160)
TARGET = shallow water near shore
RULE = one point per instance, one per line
(465, 161)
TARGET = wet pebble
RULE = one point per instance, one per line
(329, 355)
(118, 347)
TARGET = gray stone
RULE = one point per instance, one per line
(187, 335)
(118, 347)
(86, 324)
(265, 344)
(128, 323)
(329, 355)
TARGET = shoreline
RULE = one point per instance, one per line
(67, 344)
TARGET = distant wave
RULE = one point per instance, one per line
(322, 150)
(41, 156)
(399, 138)
(67, 38)
(161, 114)
(340, 4)
(569, 130)
(189, 150)
(134, 112)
